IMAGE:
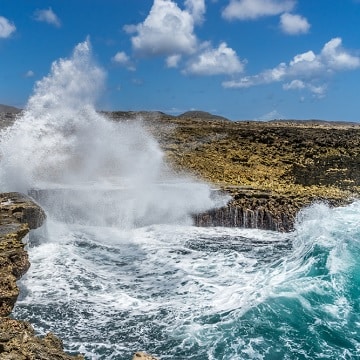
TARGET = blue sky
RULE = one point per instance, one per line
(243, 59)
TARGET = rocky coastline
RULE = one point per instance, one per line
(18, 341)
(271, 170)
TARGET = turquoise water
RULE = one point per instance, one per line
(110, 287)
(181, 292)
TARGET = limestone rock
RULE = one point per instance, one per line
(18, 342)
(18, 213)
(22, 208)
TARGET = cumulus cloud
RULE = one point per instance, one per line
(305, 71)
(48, 16)
(218, 61)
(253, 9)
(167, 30)
(294, 24)
(6, 28)
(122, 59)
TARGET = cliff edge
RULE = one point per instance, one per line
(271, 169)
(19, 214)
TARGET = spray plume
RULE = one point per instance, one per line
(64, 152)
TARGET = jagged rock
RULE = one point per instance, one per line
(271, 169)
(18, 213)
(22, 208)
(19, 342)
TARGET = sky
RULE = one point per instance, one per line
(242, 59)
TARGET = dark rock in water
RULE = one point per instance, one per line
(19, 214)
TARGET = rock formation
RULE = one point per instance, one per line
(19, 214)
(271, 169)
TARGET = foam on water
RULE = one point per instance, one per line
(201, 293)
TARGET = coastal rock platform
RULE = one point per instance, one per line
(271, 169)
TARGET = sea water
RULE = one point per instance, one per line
(182, 292)
(118, 267)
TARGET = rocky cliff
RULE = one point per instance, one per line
(19, 214)
(271, 169)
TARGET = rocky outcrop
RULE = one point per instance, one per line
(19, 342)
(271, 169)
(251, 208)
(286, 164)
(19, 214)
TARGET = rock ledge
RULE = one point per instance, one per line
(19, 214)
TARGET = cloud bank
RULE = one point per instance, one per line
(305, 71)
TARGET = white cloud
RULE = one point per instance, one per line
(6, 28)
(253, 9)
(48, 16)
(29, 74)
(197, 9)
(124, 60)
(210, 61)
(294, 24)
(294, 84)
(167, 30)
(307, 70)
(336, 58)
(172, 61)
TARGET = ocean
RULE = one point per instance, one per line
(183, 292)
(118, 266)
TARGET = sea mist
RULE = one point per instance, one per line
(83, 167)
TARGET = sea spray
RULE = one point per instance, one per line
(182, 292)
(93, 169)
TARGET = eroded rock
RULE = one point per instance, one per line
(19, 342)
(19, 214)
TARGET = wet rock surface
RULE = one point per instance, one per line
(19, 214)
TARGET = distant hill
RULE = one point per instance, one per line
(201, 115)
(9, 109)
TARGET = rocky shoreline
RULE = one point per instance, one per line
(18, 341)
(271, 170)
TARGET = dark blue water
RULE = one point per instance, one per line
(181, 292)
